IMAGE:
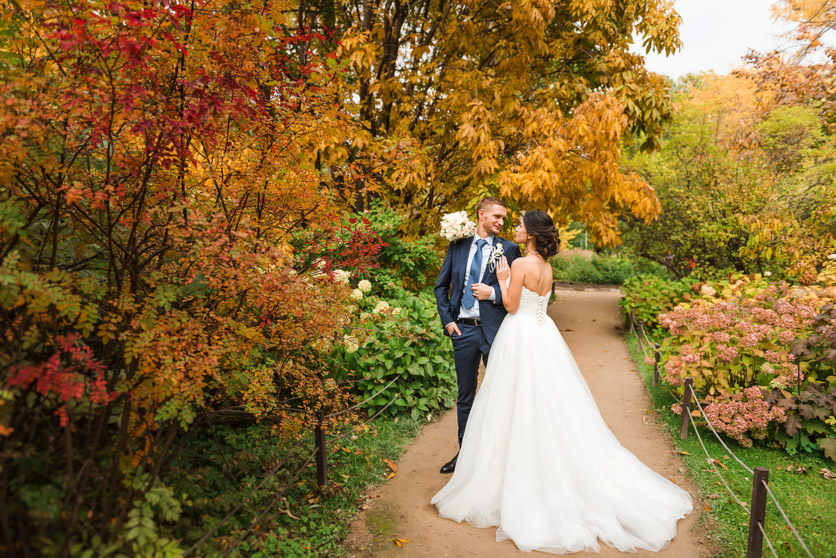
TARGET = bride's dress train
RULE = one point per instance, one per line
(539, 462)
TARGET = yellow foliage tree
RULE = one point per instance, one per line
(526, 99)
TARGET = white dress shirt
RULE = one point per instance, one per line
(486, 253)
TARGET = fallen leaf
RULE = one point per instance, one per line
(684, 453)
(706, 508)
(720, 463)
(673, 480)
(401, 542)
(287, 513)
(392, 466)
(5, 430)
(713, 496)
(827, 473)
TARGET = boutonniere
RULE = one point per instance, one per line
(496, 253)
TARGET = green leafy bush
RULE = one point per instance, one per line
(811, 419)
(402, 263)
(604, 269)
(649, 295)
(403, 342)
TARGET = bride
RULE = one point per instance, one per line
(537, 460)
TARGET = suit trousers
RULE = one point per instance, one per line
(468, 349)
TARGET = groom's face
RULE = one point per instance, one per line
(492, 218)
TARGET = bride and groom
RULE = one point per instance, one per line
(536, 459)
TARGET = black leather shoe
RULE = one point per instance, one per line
(450, 466)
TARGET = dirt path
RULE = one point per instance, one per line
(401, 507)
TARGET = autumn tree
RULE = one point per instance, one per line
(156, 165)
(746, 181)
(528, 100)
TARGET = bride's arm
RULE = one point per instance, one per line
(511, 292)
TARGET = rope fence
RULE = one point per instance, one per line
(760, 485)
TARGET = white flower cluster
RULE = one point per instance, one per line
(707, 290)
(351, 344)
(832, 257)
(342, 276)
(364, 285)
(455, 226)
(357, 294)
(381, 306)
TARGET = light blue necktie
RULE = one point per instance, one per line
(473, 277)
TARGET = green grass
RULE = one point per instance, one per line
(602, 269)
(808, 499)
(213, 478)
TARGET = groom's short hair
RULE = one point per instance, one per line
(486, 202)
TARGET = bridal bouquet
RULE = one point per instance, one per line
(455, 226)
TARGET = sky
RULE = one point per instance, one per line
(716, 34)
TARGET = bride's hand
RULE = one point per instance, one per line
(503, 270)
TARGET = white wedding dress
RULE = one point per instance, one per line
(539, 462)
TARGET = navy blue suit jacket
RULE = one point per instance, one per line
(450, 285)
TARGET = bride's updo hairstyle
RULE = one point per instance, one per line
(539, 225)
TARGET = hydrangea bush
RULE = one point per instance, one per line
(762, 357)
(738, 335)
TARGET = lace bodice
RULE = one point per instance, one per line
(533, 304)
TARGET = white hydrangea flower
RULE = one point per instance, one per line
(767, 368)
(832, 257)
(767, 274)
(707, 290)
(381, 306)
(396, 311)
(342, 276)
(351, 344)
(357, 294)
(364, 286)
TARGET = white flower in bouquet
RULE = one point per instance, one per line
(455, 226)
(357, 294)
(342, 276)
(364, 286)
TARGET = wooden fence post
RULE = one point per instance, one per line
(686, 408)
(657, 357)
(754, 543)
(321, 451)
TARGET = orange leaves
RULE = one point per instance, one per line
(572, 166)
(393, 468)
(399, 542)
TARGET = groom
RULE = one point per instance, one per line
(470, 303)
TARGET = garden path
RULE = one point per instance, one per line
(590, 322)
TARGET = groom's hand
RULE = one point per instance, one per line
(451, 327)
(482, 291)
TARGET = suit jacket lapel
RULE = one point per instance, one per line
(460, 263)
